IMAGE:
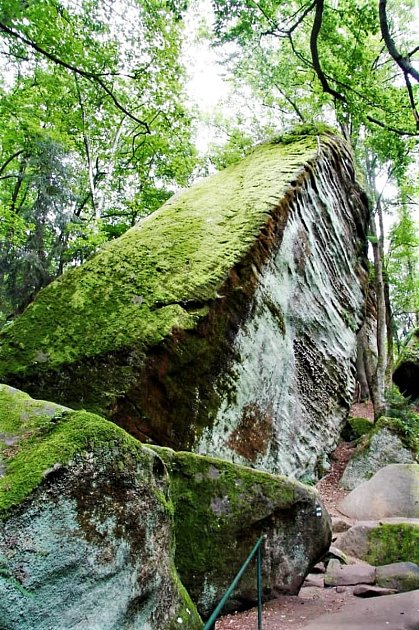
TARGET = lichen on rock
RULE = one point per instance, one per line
(222, 509)
(86, 525)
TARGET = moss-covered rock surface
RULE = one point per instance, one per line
(161, 276)
(382, 542)
(235, 305)
(221, 510)
(86, 525)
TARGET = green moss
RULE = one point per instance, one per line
(220, 511)
(303, 130)
(407, 428)
(187, 611)
(355, 428)
(393, 543)
(161, 276)
(410, 350)
(360, 426)
(35, 436)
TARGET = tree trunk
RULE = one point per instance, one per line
(378, 381)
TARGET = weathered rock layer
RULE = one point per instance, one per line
(222, 509)
(86, 534)
(225, 322)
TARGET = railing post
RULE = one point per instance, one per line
(259, 586)
(210, 624)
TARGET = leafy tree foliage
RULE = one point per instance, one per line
(351, 63)
(93, 133)
(403, 268)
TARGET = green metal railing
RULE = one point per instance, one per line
(257, 549)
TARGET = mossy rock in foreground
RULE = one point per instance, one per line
(86, 525)
(222, 509)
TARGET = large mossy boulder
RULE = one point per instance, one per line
(222, 509)
(224, 322)
(406, 373)
(86, 525)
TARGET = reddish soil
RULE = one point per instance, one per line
(293, 613)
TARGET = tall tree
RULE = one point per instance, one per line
(349, 62)
(95, 90)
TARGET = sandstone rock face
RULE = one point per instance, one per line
(384, 447)
(222, 509)
(369, 590)
(382, 542)
(223, 323)
(406, 374)
(86, 536)
(392, 491)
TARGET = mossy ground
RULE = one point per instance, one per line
(356, 427)
(390, 543)
(36, 435)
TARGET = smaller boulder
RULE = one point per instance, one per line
(348, 575)
(339, 525)
(222, 509)
(315, 580)
(383, 542)
(355, 428)
(336, 554)
(369, 590)
(393, 491)
(384, 447)
(400, 576)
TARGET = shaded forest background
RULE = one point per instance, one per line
(97, 129)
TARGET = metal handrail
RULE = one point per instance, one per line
(256, 549)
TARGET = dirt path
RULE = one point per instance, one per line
(293, 613)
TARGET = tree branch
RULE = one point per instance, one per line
(314, 36)
(10, 159)
(412, 99)
(91, 76)
(10, 176)
(285, 32)
(403, 62)
(399, 132)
